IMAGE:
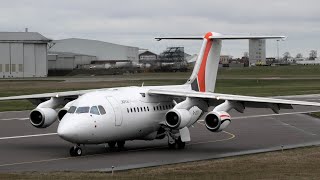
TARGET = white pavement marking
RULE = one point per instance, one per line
(294, 127)
(27, 136)
(17, 119)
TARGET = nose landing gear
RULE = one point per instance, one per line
(75, 151)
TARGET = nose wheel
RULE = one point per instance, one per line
(75, 151)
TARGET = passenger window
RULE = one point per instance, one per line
(148, 108)
(131, 109)
(144, 108)
(128, 110)
(160, 108)
(154, 108)
(81, 110)
(141, 109)
(94, 110)
(102, 110)
(137, 109)
(134, 109)
(72, 109)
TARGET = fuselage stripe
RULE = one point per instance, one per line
(202, 71)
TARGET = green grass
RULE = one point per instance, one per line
(242, 81)
(301, 163)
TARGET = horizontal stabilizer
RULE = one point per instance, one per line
(212, 35)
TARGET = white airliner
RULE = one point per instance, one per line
(117, 115)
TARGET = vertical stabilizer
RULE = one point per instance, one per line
(204, 74)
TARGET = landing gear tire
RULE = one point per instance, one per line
(112, 145)
(180, 144)
(75, 151)
(120, 144)
(171, 145)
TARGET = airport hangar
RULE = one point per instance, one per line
(23, 54)
(30, 54)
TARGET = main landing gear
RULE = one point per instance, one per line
(175, 142)
(113, 144)
(75, 150)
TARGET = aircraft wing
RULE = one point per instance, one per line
(248, 101)
(66, 94)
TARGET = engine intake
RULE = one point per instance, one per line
(177, 118)
(42, 117)
(61, 113)
(217, 121)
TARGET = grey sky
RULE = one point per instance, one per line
(136, 22)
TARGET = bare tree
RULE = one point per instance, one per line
(286, 56)
(313, 55)
(299, 55)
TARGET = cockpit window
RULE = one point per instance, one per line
(72, 109)
(94, 110)
(82, 110)
(101, 109)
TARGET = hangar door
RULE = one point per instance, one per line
(117, 110)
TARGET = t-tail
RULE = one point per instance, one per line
(204, 75)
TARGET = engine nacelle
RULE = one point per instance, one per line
(177, 118)
(217, 121)
(62, 112)
(43, 117)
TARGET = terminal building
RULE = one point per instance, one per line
(23, 54)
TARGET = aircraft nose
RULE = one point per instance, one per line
(67, 130)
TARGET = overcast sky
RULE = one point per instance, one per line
(137, 22)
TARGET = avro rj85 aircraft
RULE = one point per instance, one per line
(117, 115)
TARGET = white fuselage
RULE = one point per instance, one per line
(130, 113)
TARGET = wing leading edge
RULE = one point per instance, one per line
(218, 96)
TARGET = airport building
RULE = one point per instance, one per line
(23, 54)
(68, 61)
(89, 51)
(257, 52)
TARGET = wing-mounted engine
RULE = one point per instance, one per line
(178, 118)
(63, 111)
(45, 114)
(184, 114)
(217, 121)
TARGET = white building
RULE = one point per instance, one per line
(257, 52)
(23, 54)
(309, 62)
(68, 61)
(104, 51)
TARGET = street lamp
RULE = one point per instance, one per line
(278, 49)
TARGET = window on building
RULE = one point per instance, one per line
(13, 68)
(20, 68)
(0, 67)
(7, 68)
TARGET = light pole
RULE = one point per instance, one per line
(278, 50)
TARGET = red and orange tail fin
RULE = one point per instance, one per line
(204, 75)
